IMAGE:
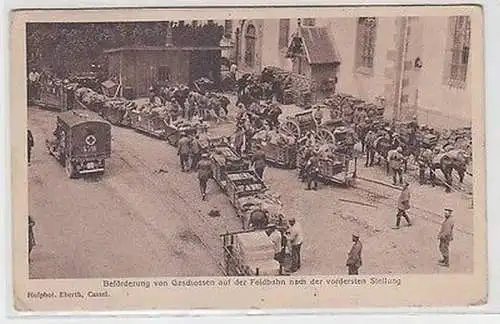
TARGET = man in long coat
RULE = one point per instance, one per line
(445, 236)
(204, 174)
(31, 143)
(259, 160)
(184, 149)
(354, 261)
(31, 236)
(403, 205)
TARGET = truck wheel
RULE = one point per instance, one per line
(70, 169)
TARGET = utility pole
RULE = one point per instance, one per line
(402, 58)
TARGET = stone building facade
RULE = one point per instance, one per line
(418, 65)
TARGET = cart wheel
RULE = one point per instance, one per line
(70, 169)
(291, 128)
(324, 136)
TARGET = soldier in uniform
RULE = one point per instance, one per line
(318, 115)
(370, 147)
(396, 159)
(259, 161)
(274, 114)
(403, 205)
(445, 236)
(311, 170)
(204, 174)
(307, 152)
(183, 151)
(31, 143)
(31, 236)
(195, 151)
(354, 261)
(296, 237)
(424, 162)
(239, 140)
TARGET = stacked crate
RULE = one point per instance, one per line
(254, 251)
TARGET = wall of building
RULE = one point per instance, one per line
(140, 68)
(440, 104)
(424, 91)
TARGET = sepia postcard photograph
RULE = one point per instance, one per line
(236, 158)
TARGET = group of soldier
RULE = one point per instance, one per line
(188, 102)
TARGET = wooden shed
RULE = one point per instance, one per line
(315, 56)
(138, 68)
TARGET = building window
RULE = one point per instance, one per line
(365, 49)
(250, 45)
(284, 33)
(311, 22)
(228, 28)
(459, 51)
(163, 73)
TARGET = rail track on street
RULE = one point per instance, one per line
(148, 175)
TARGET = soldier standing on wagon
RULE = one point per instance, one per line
(204, 174)
(184, 149)
(403, 205)
(445, 236)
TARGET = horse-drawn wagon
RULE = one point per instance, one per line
(280, 149)
(174, 129)
(224, 160)
(306, 122)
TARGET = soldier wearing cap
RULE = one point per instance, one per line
(312, 170)
(295, 237)
(403, 205)
(204, 174)
(396, 160)
(31, 236)
(445, 236)
(354, 262)
(184, 149)
(259, 162)
(369, 142)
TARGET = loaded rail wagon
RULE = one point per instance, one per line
(250, 253)
(225, 160)
(81, 144)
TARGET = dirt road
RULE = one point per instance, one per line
(136, 221)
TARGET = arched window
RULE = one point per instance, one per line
(250, 45)
(366, 33)
(460, 50)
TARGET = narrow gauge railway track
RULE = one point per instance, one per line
(432, 217)
(148, 175)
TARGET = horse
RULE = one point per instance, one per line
(453, 160)
(382, 145)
